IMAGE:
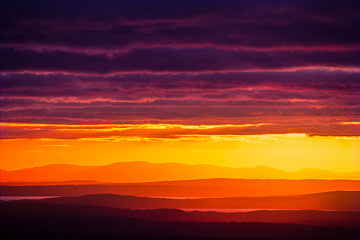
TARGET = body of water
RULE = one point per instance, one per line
(231, 210)
(10, 198)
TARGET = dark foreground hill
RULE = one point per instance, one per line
(309, 217)
(34, 220)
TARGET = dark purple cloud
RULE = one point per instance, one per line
(181, 98)
(31, 84)
(98, 24)
(174, 60)
(292, 64)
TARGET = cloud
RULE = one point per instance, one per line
(191, 36)
(114, 24)
(321, 80)
(168, 131)
(179, 98)
(292, 64)
(174, 60)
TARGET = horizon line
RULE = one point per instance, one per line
(187, 164)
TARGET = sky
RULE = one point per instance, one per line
(223, 82)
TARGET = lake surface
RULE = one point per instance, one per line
(223, 210)
(230, 210)
(10, 198)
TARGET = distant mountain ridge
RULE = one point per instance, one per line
(148, 172)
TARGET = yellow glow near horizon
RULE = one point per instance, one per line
(350, 123)
(289, 152)
(121, 126)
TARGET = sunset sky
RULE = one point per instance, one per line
(221, 82)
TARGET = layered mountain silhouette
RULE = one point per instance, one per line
(146, 172)
(182, 189)
(343, 201)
